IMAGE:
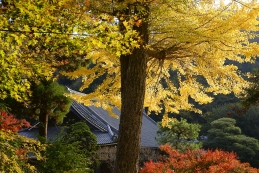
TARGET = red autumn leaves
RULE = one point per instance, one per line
(199, 161)
(9, 122)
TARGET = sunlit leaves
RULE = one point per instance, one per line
(41, 32)
(189, 39)
(197, 161)
(14, 152)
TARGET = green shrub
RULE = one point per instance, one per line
(73, 151)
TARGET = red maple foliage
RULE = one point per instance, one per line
(9, 122)
(199, 161)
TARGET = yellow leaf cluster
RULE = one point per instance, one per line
(11, 159)
(166, 121)
(189, 42)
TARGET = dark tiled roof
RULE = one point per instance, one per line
(101, 119)
(103, 138)
(86, 114)
(104, 116)
(105, 126)
(148, 131)
(53, 132)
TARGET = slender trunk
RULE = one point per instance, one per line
(43, 127)
(133, 80)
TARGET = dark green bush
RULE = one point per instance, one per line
(73, 151)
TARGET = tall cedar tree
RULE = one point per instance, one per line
(48, 101)
(135, 44)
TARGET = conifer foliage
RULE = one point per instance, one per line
(179, 134)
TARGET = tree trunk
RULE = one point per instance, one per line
(43, 127)
(133, 80)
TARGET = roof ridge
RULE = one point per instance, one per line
(102, 119)
(83, 112)
(75, 92)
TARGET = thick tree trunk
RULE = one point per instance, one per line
(133, 79)
(43, 127)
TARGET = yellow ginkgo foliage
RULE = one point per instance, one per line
(152, 53)
(191, 40)
(182, 54)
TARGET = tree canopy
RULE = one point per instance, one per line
(73, 150)
(135, 43)
(48, 101)
(191, 41)
(225, 135)
(181, 135)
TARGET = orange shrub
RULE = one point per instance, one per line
(9, 122)
(199, 161)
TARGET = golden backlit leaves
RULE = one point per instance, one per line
(196, 42)
(167, 122)
(189, 39)
(192, 41)
(35, 35)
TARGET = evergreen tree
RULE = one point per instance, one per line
(225, 135)
(48, 101)
(180, 135)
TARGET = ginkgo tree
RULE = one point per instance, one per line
(192, 38)
(136, 44)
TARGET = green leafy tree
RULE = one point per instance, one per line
(74, 151)
(80, 132)
(65, 157)
(225, 135)
(47, 101)
(179, 134)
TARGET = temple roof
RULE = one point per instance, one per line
(104, 126)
